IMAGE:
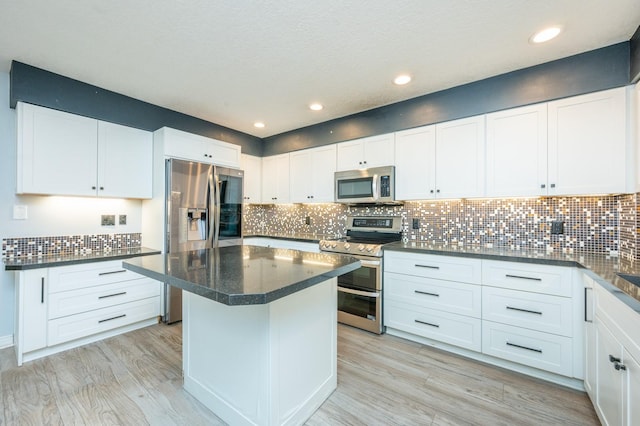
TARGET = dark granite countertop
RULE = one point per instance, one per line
(243, 275)
(35, 262)
(600, 267)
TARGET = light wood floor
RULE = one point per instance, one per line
(135, 379)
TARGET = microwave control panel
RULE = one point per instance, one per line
(385, 186)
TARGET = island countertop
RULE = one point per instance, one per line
(243, 275)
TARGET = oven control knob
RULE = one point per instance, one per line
(347, 246)
(369, 249)
(334, 245)
(361, 247)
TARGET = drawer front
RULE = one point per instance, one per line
(533, 348)
(73, 277)
(457, 330)
(542, 312)
(64, 329)
(433, 266)
(449, 296)
(544, 279)
(73, 302)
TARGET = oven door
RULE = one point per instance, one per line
(360, 297)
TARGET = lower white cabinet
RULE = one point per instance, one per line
(522, 316)
(612, 377)
(67, 306)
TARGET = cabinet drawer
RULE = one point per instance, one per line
(446, 327)
(542, 312)
(533, 348)
(528, 277)
(73, 302)
(434, 266)
(458, 298)
(64, 329)
(72, 277)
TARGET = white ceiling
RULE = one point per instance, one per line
(235, 62)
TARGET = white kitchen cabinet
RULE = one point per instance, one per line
(62, 307)
(65, 154)
(517, 152)
(373, 151)
(589, 148)
(275, 179)
(590, 348)
(460, 158)
(312, 175)
(188, 146)
(416, 163)
(252, 167)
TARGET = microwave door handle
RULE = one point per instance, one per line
(374, 187)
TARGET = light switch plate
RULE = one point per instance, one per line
(108, 220)
(20, 212)
(122, 219)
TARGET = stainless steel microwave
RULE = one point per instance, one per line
(374, 185)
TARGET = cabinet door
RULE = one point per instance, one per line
(610, 381)
(323, 161)
(179, 144)
(221, 153)
(588, 143)
(460, 158)
(350, 155)
(379, 150)
(632, 407)
(57, 152)
(275, 179)
(301, 175)
(416, 163)
(252, 167)
(32, 310)
(517, 152)
(590, 350)
(125, 158)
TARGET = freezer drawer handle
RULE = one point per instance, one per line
(524, 310)
(113, 318)
(427, 266)
(427, 293)
(112, 272)
(524, 347)
(523, 278)
(112, 295)
(427, 323)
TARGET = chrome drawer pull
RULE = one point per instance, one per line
(112, 272)
(524, 347)
(427, 323)
(427, 266)
(524, 310)
(427, 293)
(112, 295)
(523, 278)
(111, 319)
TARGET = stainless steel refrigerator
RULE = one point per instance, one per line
(204, 210)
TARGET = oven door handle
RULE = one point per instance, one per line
(358, 292)
(368, 262)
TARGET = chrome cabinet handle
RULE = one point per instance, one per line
(112, 272)
(426, 266)
(427, 323)
(112, 295)
(523, 277)
(112, 318)
(524, 347)
(42, 290)
(524, 310)
(427, 293)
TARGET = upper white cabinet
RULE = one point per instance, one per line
(275, 179)
(66, 154)
(416, 163)
(312, 175)
(368, 152)
(252, 167)
(179, 144)
(589, 147)
(517, 152)
(441, 161)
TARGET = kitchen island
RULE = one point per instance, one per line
(259, 328)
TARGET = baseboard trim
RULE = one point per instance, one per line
(6, 341)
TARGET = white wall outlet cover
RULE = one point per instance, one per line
(20, 212)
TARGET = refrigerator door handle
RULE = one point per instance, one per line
(217, 206)
(210, 208)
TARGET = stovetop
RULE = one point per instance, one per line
(366, 236)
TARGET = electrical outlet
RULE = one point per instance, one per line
(415, 223)
(307, 220)
(108, 220)
(557, 227)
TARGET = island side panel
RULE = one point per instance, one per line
(262, 364)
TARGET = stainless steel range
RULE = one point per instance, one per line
(360, 291)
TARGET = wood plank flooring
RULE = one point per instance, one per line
(136, 379)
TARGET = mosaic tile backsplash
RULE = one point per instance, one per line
(67, 245)
(603, 224)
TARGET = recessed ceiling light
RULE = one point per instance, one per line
(402, 79)
(315, 106)
(258, 124)
(545, 35)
